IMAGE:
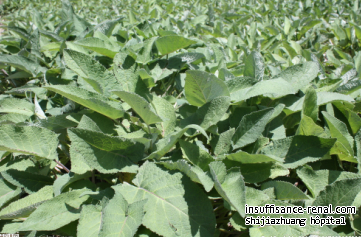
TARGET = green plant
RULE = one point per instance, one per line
(168, 118)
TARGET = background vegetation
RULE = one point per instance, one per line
(165, 118)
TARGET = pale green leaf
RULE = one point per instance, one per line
(166, 143)
(196, 155)
(140, 106)
(222, 144)
(246, 158)
(29, 181)
(25, 206)
(105, 153)
(195, 173)
(317, 180)
(22, 63)
(27, 140)
(126, 72)
(310, 107)
(273, 88)
(202, 87)
(308, 127)
(56, 212)
(251, 127)
(208, 114)
(89, 221)
(299, 150)
(92, 71)
(323, 97)
(285, 190)
(299, 75)
(171, 43)
(345, 143)
(230, 186)
(90, 100)
(339, 193)
(254, 66)
(165, 111)
(7, 191)
(100, 46)
(120, 218)
(66, 179)
(16, 106)
(175, 206)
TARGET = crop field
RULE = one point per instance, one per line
(180, 118)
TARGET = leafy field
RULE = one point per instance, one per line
(166, 118)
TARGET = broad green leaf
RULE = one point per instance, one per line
(144, 55)
(255, 197)
(272, 88)
(18, 164)
(105, 153)
(344, 140)
(196, 155)
(90, 100)
(88, 124)
(165, 111)
(246, 158)
(89, 221)
(22, 63)
(32, 183)
(309, 25)
(339, 193)
(299, 75)
(208, 114)
(285, 190)
(171, 43)
(238, 222)
(299, 150)
(352, 118)
(106, 27)
(258, 172)
(195, 173)
(97, 122)
(222, 144)
(179, 60)
(202, 87)
(308, 127)
(25, 206)
(140, 106)
(66, 179)
(239, 85)
(16, 106)
(29, 140)
(230, 185)
(254, 66)
(92, 71)
(100, 46)
(175, 206)
(251, 127)
(317, 180)
(56, 123)
(56, 212)
(310, 107)
(166, 143)
(13, 118)
(7, 191)
(322, 99)
(120, 218)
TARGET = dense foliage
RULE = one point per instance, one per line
(165, 118)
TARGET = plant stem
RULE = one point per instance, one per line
(151, 138)
(64, 167)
